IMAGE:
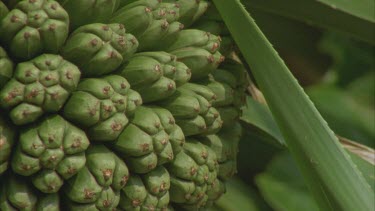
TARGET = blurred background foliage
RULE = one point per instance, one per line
(336, 67)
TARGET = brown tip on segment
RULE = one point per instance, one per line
(106, 89)
(203, 127)
(157, 68)
(215, 46)
(106, 203)
(136, 202)
(124, 180)
(147, 9)
(165, 25)
(204, 155)
(112, 55)
(105, 27)
(123, 85)
(172, 121)
(157, 124)
(221, 59)
(71, 170)
(55, 95)
(145, 147)
(121, 26)
(150, 166)
(48, 77)
(107, 174)
(76, 143)
(170, 156)
(52, 158)
(193, 171)
(26, 35)
(170, 86)
(36, 16)
(2, 142)
(116, 126)
(88, 194)
(69, 75)
(32, 1)
(14, 18)
(25, 167)
(54, 6)
(197, 109)
(164, 141)
(211, 59)
(94, 42)
(216, 115)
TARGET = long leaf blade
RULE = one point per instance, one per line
(330, 173)
(355, 18)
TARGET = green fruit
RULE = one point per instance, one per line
(192, 107)
(92, 11)
(3, 10)
(6, 68)
(102, 106)
(147, 192)
(39, 86)
(194, 181)
(151, 139)
(97, 186)
(17, 194)
(225, 146)
(155, 75)
(99, 49)
(34, 27)
(7, 136)
(149, 21)
(190, 11)
(50, 153)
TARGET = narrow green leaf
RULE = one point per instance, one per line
(283, 186)
(356, 18)
(259, 116)
(330, 173)
(239, 196)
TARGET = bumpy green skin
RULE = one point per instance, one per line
(6, 67)
(99, 49)
(97, 186)
(147, 192)
(7, 136)
(194, 182)
(190, 11)
(102, 106)
(149, 21)
(225, 146)
(34, 27)
(152, 138)
(191, 105)
(39, 86)
(199, 50)
(49, 153)
(92, 11)
(155, 75)
(16, 193)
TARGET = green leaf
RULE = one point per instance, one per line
(355, 18)
(259, 116)
(330, 173)
(239, 196)
(344, 114)
(283, 187)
